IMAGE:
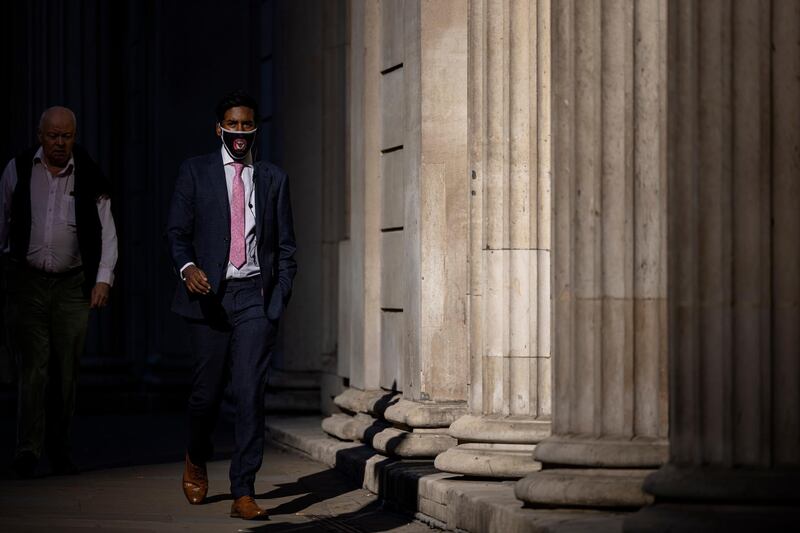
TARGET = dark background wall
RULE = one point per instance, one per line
(143, 77)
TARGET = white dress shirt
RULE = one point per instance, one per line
(54, 235)
(250, 268)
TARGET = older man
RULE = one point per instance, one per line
(57, 231)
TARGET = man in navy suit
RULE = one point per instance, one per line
(231, 237)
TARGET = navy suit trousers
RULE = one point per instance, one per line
(235, 339)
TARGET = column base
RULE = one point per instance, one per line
(637, 453)
(425, 414)
(417, 443)
(576, 487)
(494, 446)
(747, 486)
(420, 428)
(688, 518)
(359, 401)
(508, 461)
(720, 499)
(356, 421)
(500, 429)
(352, 428)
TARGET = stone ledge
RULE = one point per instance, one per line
(440, 499)
(299, 434)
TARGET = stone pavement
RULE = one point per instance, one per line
(301, 495)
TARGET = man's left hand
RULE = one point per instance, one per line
(100, 294)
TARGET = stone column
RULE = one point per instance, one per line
(359, 330)
(335, 50)
(509, 297)
(434, 359)
(609, 256)
(302, 129)
(413, 68)
(734, 181)
(427, 328)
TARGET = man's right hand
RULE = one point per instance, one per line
(196, 280)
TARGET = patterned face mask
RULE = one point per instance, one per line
(238, 143)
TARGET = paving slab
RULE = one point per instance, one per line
(300, 494)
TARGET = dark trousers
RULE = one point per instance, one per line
(47, 317)
(234, 341)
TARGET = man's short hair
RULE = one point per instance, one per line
(237, 98)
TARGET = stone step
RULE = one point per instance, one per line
(443, 500)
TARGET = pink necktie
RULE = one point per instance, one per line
(237, 252)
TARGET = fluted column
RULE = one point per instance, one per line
(734, 310)
(609, 261)
(509, 297)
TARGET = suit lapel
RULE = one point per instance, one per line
(262, 181)
(218, 186)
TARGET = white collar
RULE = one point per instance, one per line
(38, 157)
(227, 159)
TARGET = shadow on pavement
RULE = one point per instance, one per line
(316, 498)
(111, 441)
(372, 518)
(315, 501)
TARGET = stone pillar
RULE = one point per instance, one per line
(734, 181)
(358, 335)
(335, 50)
(302, 130)
(509, 297)
(414, 151)
(609, 256)
(429, 151)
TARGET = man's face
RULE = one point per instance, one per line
(57, 137)
(238, 119)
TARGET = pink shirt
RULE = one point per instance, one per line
(250, 268)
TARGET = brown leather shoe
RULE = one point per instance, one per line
(195, 482)
(246, 508)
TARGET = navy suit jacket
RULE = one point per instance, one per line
(198, 231)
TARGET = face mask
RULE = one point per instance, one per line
(238, 143)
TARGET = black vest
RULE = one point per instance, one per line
(89, 186)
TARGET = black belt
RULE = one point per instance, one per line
(249, 279)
